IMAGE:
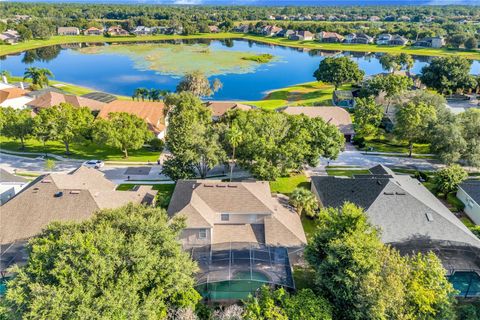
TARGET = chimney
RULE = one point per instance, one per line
(4, 79)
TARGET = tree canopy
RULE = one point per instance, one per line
(123, 263)
(448, 75)
(123, 131)
(338, 71)
(365, 279)
(367, 116)
(198, 84)
(16, 123)
(65, 123)
(447, 179)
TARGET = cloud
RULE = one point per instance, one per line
(187, 1)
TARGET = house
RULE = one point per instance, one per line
(150, 112)
(301, 35)
(329, 37)
(68, 31)
(117, 31)
(10, 37)
(469, 193)
(10, 185)
(360, 38)
(384, 39)
(92, 31)
(374, 19)
(142, 30)
(243, 28)
(333, 115)
(220, 108)
(214, 29)
(51, 98)
(237, 231)
(72, 197)
(409, 217)
(398, 40)
(269, 31)
(14, 97)
(404, 19)
(430, 42)
(285, 33)
(343, 98)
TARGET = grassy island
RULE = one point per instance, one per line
(260, 58)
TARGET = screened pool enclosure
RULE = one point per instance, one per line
(232, 271)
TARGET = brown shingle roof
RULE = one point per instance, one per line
(219, 108)
(151, 112)
(333, 115)
(11, 93)
(202, 201)
(83, 191)
(51, 99)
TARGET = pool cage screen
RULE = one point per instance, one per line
(461, 260)
(233, 270)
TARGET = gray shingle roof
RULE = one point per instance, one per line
(400, 205)
(472, 188)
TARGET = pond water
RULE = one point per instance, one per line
(120, 68)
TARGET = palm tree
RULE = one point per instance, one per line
(234, 137)
(304, 201)
(154, 95)
(39, 76)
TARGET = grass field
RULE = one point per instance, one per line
(304, 94)
(388, 143)
(286, 185)
(32, 44)
(164, 193)
(87, 150)
(346, 172)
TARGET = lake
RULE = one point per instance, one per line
(120, 68)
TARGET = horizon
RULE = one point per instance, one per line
(273, 3)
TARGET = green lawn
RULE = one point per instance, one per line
(286, 185)
(304, 94)
(346, 172)
(164, 194)
(388, 143)
(32, 44)
(85, 150)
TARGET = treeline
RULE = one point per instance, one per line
(221, 13)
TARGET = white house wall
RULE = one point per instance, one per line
(472, 209)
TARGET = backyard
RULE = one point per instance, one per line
(164, 194)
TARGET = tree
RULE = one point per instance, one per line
(391, 85)
(304, 201)
(367, 116)
(50, 164)
(191, 135)
(448, 74)
(17, 124)
(66, 123)
(39, 76)
(390, 62)
(338, 71)
(234, 137)
(197, 83)
(406, 61)
(446, 180)
(469, 122)
(471, 43)
(364, 279)
(412, 121)
(123, 263)
(123, 131)
(447, 141)
(275, 143)
(278, 304)
(456, 40)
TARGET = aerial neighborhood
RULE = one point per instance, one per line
(236, 162)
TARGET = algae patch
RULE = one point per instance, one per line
(178, 59)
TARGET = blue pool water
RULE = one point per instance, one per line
(119, 74)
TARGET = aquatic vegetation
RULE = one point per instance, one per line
(260, 58)
(178, 59)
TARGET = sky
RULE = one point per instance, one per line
(274, 2)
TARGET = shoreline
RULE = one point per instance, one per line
(59, 40)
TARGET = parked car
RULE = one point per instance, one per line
(97, 164)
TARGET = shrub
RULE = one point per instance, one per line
(157, 144)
